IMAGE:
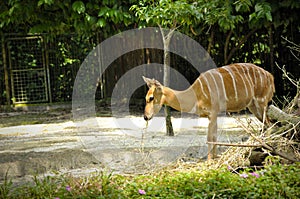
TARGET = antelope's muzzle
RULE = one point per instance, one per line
(147, 118)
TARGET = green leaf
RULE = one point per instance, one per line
(90, 19)
(269, 16)
(258, 7)
(103, 11)
(243, 6)
(48, 2)
(101, 22)
(78, 6)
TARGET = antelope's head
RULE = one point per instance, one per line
(153, 98)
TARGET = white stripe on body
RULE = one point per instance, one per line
(247, 78)
(202, 88)
(222, 82)
(254, 75)
(233, 81)
(221, 99)
(215, 82)
(208, 86)
(242, 77)
(250, 80)
(194, 109)
(260, 77)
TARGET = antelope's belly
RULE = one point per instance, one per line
(236, 106)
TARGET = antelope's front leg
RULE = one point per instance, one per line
(212, 136)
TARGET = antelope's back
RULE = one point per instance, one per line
(237, 83)
(260, 80)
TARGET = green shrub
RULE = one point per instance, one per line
(277, 181)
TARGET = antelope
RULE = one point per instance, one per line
(230, 88)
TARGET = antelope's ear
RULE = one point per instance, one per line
(147, 80)
(151, 82)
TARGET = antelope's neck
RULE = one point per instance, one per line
(183, 101)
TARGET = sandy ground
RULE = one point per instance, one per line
(121, 145)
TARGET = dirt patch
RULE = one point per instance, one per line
(34, 117)
(17, 165)
(115, 144)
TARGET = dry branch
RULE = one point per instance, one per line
(268, 147)
(234, 144)
(296, 101)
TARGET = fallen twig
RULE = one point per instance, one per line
(234, 144)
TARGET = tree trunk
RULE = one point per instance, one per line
(6, 74)
(271, 44)
(226, 46)
(211, 40)
(234, 49)
(275, 113)
(166, 41)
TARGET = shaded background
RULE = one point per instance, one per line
(43, 44)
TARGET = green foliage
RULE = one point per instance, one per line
(79, 7)
(277, 181)
(5, 187)
(231, 30)
(65, 57)
(261, 15)
(57, 17)
(46, 2)
(167, 13)
(183, 13)
(221, 13)
(243, 6)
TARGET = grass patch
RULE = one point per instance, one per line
(276, 181)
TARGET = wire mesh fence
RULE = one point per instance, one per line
(39, 68)
(65, 55)
(43, 68)
(27, 69)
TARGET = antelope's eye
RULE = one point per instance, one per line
(151, 98)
